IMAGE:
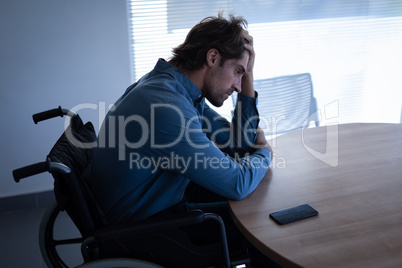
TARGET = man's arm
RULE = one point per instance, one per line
(196, 157)
(245, 135)
(261, 142)
(248, 87)
(237, 137)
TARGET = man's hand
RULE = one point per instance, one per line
(247, 83)
(261, 141)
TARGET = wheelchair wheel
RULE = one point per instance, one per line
(50, 244)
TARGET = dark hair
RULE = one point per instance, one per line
(225, 35)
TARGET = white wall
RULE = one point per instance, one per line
(55, 52)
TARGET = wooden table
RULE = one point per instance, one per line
(356, 185)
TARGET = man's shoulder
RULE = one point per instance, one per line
(163, 87)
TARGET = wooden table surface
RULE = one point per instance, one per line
(351, 174)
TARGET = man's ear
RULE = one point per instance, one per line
(213, 57)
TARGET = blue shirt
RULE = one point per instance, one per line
(160, 134)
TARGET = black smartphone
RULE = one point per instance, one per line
(293, 214)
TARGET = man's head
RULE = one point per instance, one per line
(216, 48)
(221, 79)
(224, 35)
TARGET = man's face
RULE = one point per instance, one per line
(221, 81)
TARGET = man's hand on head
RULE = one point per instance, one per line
(250, 48)
(247, 83)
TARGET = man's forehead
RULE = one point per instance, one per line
(244, 57)
(242, 61)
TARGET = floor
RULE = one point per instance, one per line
(19, 238)
(19, 232)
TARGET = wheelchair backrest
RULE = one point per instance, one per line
(72, 190)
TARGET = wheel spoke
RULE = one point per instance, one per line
(55, 243)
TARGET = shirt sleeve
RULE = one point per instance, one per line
(180, 139)
(238, 137)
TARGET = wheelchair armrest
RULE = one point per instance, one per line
(149, 225)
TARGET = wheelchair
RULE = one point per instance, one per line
(159, 242)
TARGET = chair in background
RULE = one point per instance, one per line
(285, 103)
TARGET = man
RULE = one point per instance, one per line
(160, 134)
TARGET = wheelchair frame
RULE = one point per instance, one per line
(103, 233)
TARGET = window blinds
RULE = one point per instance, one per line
(350, 48)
